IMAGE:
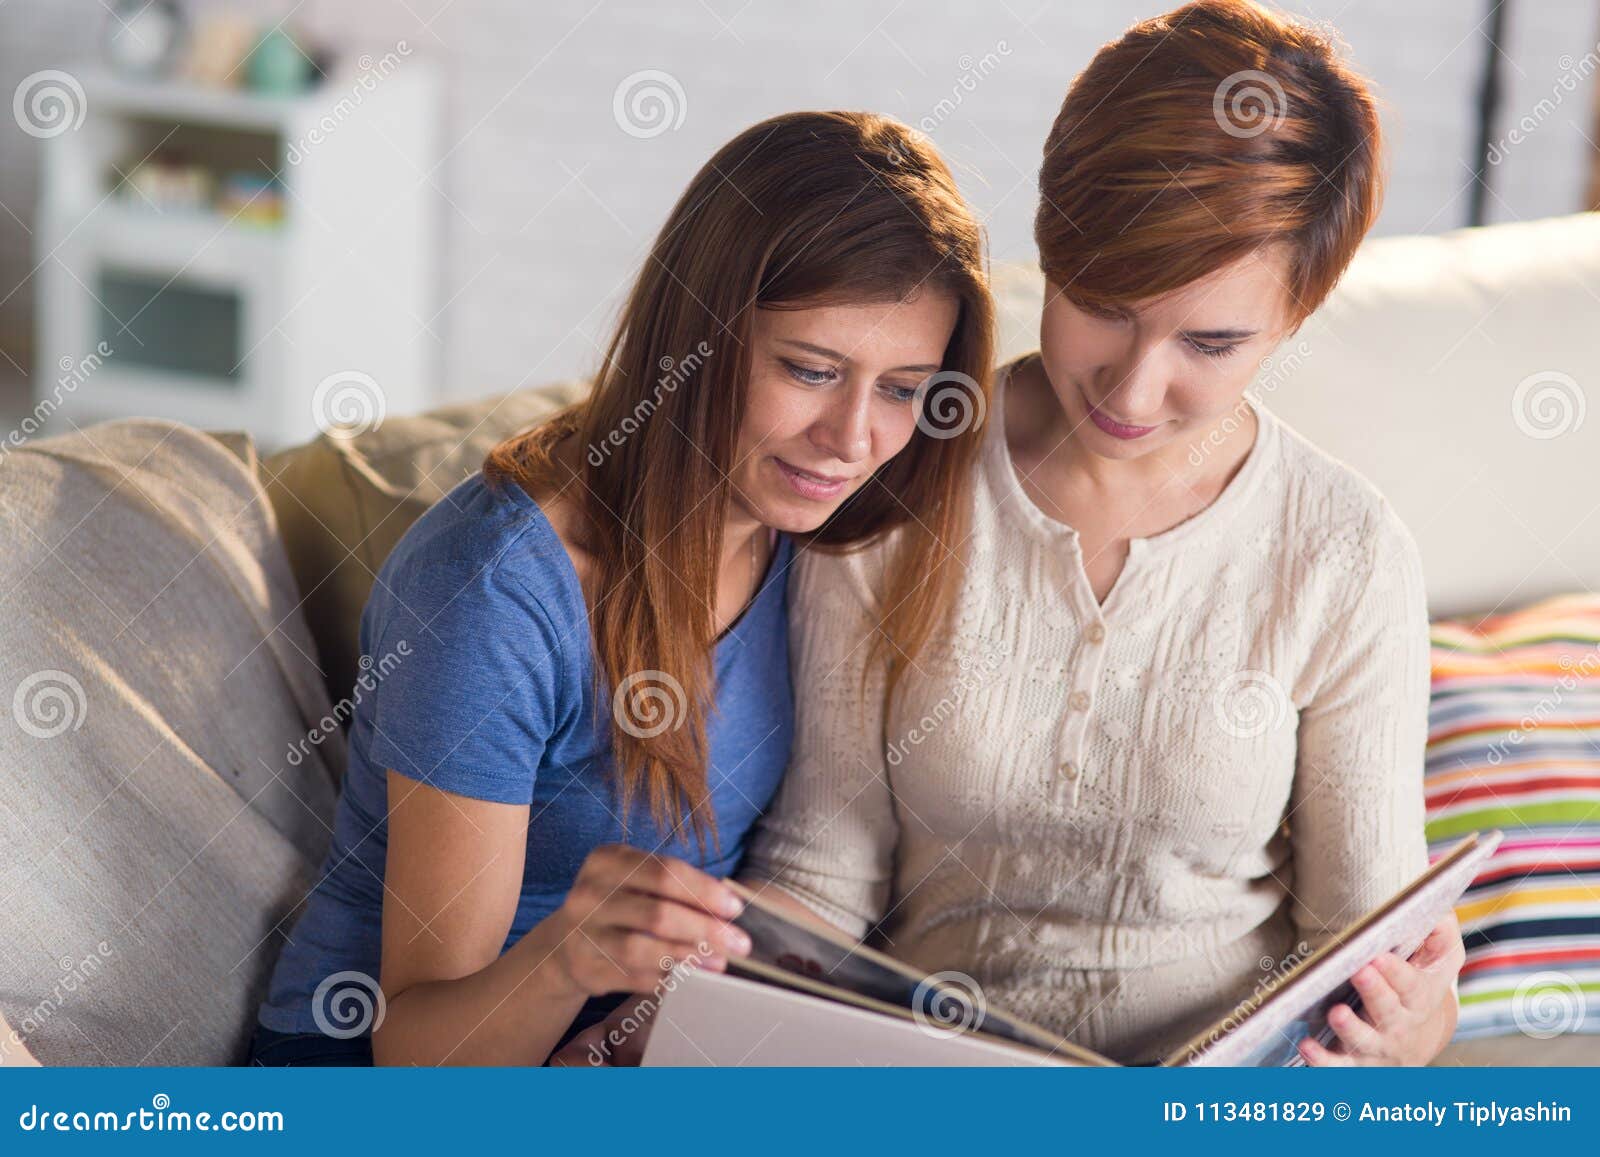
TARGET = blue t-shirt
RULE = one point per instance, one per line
(482, 683)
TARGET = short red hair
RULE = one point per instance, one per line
(1199, 137)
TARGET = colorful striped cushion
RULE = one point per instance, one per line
(1514, 744)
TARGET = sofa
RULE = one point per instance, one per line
(180, 615)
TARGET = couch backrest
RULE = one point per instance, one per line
(1454, 372)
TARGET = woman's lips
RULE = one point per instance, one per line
(1118, 429)
(817, 487)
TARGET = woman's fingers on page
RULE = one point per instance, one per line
(681, 881)
(1316, 1054)
(677, 923)
(1408, 981)
(1357, 1036)
(1443, 948)
(647, 960)
(614, 868)
(1380, 996)
(611, 959)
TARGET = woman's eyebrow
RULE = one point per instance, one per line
(1220, 334)
(820, 350)
(824, 351)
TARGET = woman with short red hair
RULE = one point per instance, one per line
(1170, 737)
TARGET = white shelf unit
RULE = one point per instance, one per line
(226, 324)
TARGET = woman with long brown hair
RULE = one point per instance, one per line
(1173, 738)
(593, 704)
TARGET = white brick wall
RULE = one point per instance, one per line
(547, 206)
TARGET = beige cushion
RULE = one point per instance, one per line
(154, 834)
(344, 502)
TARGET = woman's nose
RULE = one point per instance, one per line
(845, 431)
(1141, 389)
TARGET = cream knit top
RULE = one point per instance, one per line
(1117, 820)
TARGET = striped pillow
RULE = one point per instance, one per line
(1514, 744)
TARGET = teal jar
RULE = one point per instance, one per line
(277, 66)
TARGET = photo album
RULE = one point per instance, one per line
(810, 995)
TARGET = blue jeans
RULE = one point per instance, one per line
(270, 1047)
(307, 1048)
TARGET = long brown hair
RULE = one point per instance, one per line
(1199, 137)
(805, 209)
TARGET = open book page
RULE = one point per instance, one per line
(817, 958)
(1265, 1029)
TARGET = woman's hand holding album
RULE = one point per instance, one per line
(1408, 1009)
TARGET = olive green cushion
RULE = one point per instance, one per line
(344, 502)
